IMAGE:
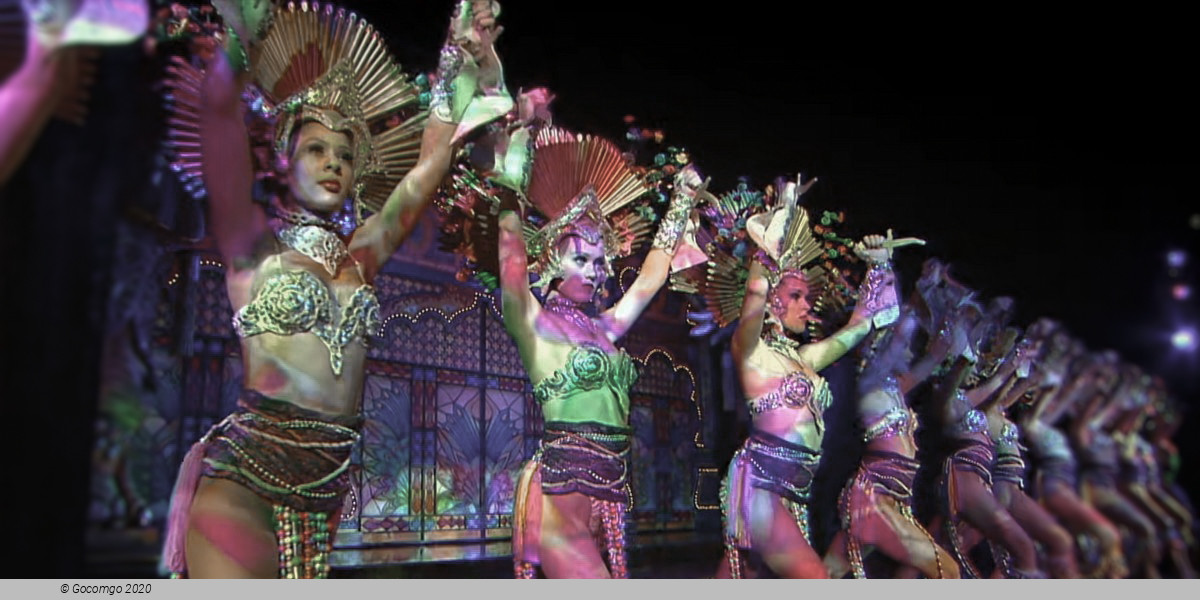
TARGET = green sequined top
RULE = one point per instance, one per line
(590, 381)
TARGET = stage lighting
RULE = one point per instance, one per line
(1180, 291)
(1176, 259)
(1184, 339)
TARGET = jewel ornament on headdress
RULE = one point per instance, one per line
(783, 234)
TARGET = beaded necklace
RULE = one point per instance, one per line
(571, 312)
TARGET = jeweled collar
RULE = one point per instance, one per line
(571, 311)
(782, 344)
(316, 242)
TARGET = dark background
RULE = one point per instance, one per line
(1046, 156)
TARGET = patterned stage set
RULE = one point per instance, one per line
(449, 417)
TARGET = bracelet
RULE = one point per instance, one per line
(674, 221)
(877, 298)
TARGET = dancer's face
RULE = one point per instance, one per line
(789, 302)
(583, 268)
(322, 168)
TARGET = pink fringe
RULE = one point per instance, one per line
(174, 559)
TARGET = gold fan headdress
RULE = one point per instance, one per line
(581, 183)
(738, 221)
(316, 62)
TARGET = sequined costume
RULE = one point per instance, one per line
(295, 459)
(770, 463)
(1009, 465)
(970, 455)
(1052, 456)
(1099, 461)
(579, 457)
(289, 302)
(881, 472)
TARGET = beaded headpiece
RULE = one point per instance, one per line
(576, 184)
(581, 183)
(314, 62)
(732, 224)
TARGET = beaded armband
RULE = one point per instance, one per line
(877, 295)
(454, 84)
(674, 221)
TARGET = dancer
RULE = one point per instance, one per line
(1008, 472)
(259, 495)
(876, 504)
(766, 491)
(575, 490)
(1055, 480)
(972, 511)
(1100, 468)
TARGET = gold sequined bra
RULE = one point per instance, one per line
(588, 368)
(292, 302)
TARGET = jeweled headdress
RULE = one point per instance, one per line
(578, 184)
(581, 183)
(312, 62)
(738, 221)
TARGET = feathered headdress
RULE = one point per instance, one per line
(320, 63)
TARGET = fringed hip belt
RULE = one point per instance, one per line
(294, 458)
(890, 473)
(1010, 468)
(1058, 470)
(886, 473)
(769, 463)
(974, 456)
(588, 458)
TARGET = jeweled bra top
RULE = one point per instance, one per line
(588, 368)
(896, 421)
(297, 301)
(1047, 442)
(1008, 442)
(972, 421)
(796, 390)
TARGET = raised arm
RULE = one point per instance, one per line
(518, 306)
(29, 97)
(877, 305)
(461, 77)
(754, 307)
(657, 265)
(237, 223)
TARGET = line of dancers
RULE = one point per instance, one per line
(990, 450)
